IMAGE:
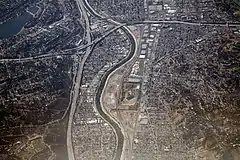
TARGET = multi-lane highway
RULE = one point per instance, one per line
(77, 83)
(83, 6)
(63, 52)
(99, 105)
(118, 25)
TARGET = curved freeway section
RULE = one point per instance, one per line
(77, 84)
(113, 123)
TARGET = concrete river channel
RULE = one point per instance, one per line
(116, 127)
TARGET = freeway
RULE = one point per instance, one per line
(113, 123)
(98, 101)
(93, 12)
(63, 53)
(185, 23)
(118, 25)
(100, 108)
(76, 88)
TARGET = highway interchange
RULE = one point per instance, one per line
(84, 6)
(117, 26)
(126, 75)
(115, 125)
(77, 83)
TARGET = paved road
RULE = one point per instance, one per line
(99, 106)
(50, 55)
(186, 23)
(119, 25)
(77, 83)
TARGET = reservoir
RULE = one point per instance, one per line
(13, 26)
